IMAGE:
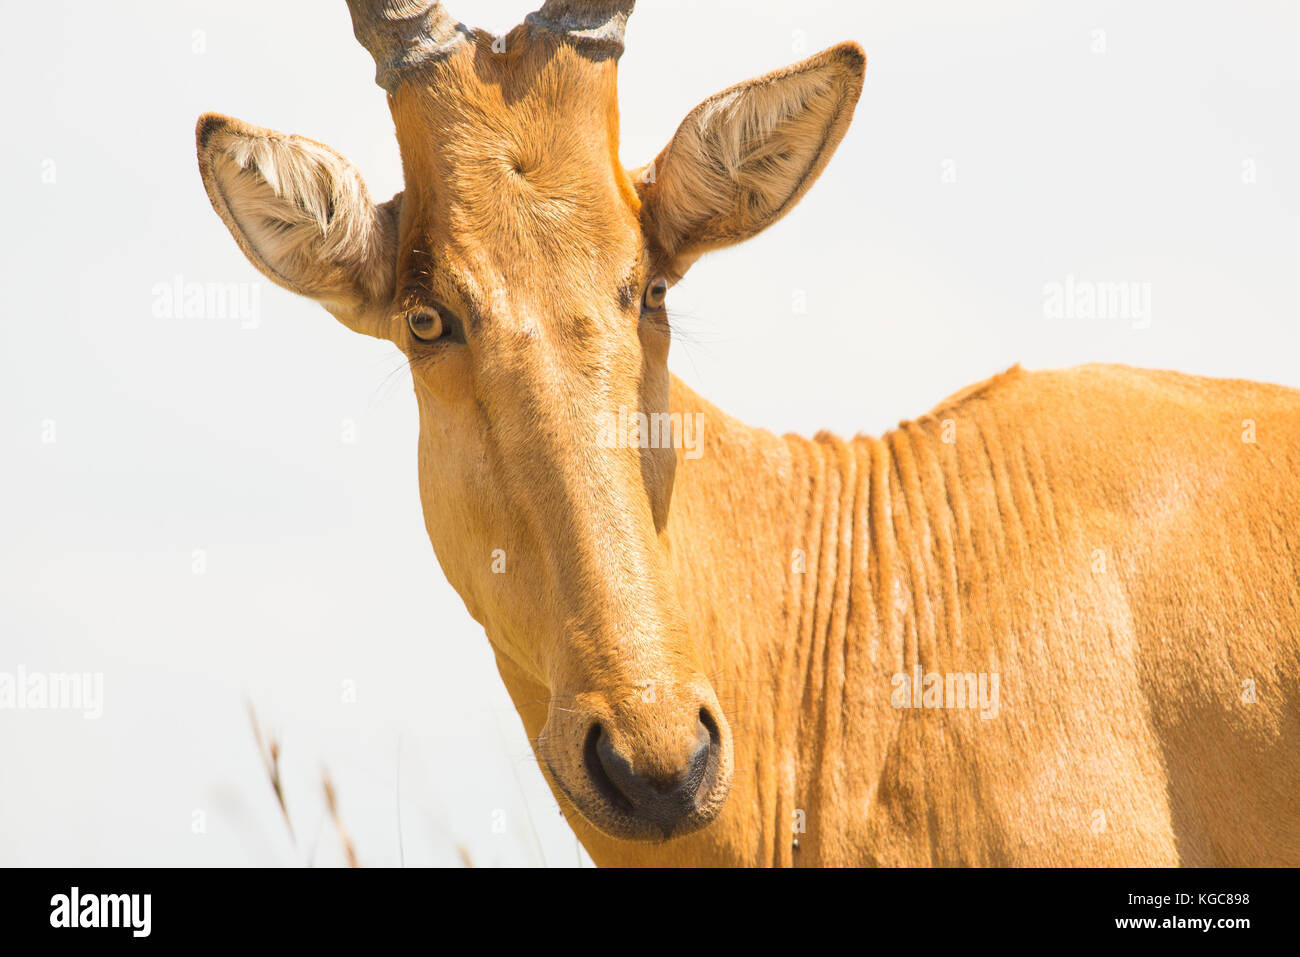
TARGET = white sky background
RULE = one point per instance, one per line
(175, 434)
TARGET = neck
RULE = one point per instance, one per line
(798, 563)
(786, 567)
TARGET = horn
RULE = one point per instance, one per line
(595, 24)
(403, 34)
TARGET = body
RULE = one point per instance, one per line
(1101, 537)
(756, 650)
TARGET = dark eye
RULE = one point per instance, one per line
(426, 323)
(655, 293)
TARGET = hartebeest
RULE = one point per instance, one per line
(763, 649)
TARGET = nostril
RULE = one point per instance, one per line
(704, 766)
(711, 726)
(594, 752)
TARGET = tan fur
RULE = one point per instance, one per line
(1101, 538)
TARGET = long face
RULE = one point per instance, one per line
(524, 273)
(526, 300)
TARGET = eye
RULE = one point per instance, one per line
(426, 323)
(655, 294)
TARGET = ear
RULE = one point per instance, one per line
(303, 216)
(741, 159)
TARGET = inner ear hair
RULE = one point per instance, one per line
(742, 158)
(300, 212)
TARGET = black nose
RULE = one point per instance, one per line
(662, 797)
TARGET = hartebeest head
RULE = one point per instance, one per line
(523, 272)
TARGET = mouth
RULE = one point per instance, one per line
(679, 812)
(652, 814)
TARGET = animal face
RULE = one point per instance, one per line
(525, 273)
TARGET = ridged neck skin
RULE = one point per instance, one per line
(799, 610)
(806, 617)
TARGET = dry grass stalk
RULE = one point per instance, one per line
(269, 750)
(330, 801)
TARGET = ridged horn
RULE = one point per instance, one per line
(403, 34)
(596, 25)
